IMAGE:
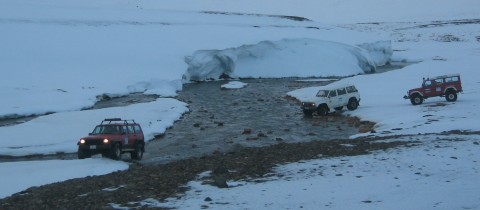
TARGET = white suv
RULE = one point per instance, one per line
(332, 97)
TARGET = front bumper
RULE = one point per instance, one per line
(95, 147)
(309, 106)
(405, 97)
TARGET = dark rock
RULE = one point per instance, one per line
(247, 131)
(220, 170)
(220, 181)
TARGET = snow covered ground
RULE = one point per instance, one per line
(58, 56)
(440, 174)
(19, 176)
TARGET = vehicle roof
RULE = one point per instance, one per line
(118, 124)
(335, 86)
(443, 76)
(117, 121)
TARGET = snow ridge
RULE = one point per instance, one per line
(286, 57)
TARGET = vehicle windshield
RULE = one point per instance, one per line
(106, 129)
(427, 83)
(322, 93)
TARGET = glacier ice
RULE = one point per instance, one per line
(287, 58)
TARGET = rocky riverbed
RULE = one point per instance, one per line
(257, 115)
(247, 131)
(140, 182)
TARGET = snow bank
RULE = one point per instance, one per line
(382, 94)
(288, 57)
(60, 132)
(27, 174)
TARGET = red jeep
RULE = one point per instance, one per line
(447, 85)
(113, 137)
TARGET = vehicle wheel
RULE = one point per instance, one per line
(451, 96)
(138, 153)
(116, 152)
(322, 110)
(352, 104)
(307, 113)
(416, 99)
(339, 108)
(82, 154)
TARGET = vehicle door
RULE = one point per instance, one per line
(139, 133)
(332, 99)
(126, 137)
(439, 87)
(133, 137)
(428, 88)
(341, 97)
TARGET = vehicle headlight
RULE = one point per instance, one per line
(105, 141)
(82, 141)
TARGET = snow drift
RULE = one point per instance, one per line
(288, 57)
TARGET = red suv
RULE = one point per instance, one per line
(447, 85)
(113, 137)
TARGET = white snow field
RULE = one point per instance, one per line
(438, 175)
(19, 176)
(58, 56)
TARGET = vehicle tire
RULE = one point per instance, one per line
(339, 108)
(352, 104)
(307, 113)
(322, 110)
(116, 152)
(138, 153)
(416, 99)
(82, 154)
(451, 96)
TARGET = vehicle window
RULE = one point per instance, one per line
(124, 129)
(428, 83)
(97, 130)
(448, 79)
(137, 129)
(322, 93)
(106, 129)
(351, 89)
(341, 91)
(130, 129)
(332, 93)
(439, 81)
(455, 79)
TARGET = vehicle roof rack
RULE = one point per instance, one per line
(443, 76)
(110, 120)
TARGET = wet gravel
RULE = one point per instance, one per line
(257, 115)
(159, 182)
